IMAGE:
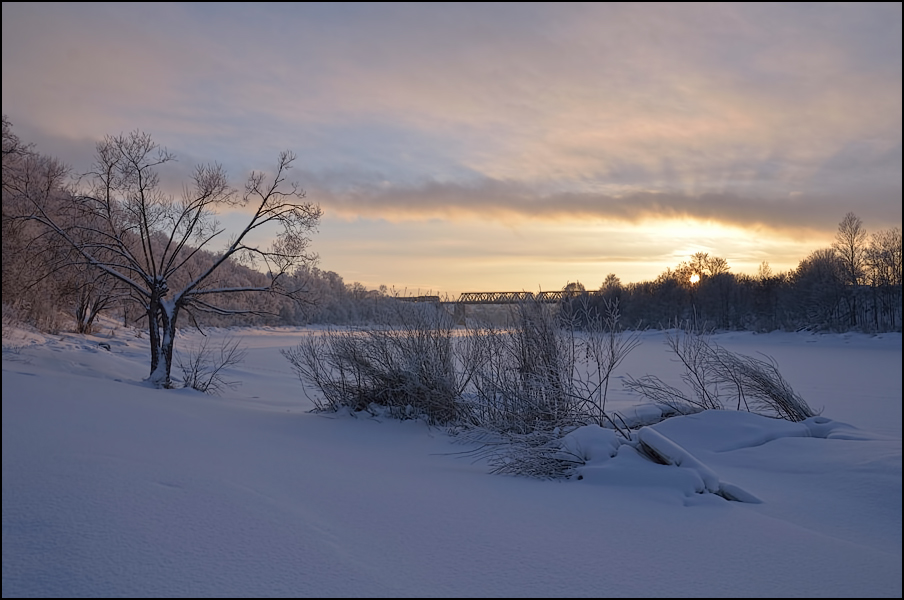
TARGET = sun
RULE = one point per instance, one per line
(695, 278)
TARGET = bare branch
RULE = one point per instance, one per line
(124, 225)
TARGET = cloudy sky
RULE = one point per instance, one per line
(496, 147)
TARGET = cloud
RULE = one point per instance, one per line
(782, 116)
(515, 201)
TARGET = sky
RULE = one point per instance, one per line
(112, 488)
(496, 146)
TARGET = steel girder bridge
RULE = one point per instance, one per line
(519, 297)
(503, 297)
(459, 307)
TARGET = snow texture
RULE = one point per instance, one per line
(114, 488)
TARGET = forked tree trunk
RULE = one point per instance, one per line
(162, 328)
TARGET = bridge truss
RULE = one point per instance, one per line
(518, 297)
(502, 297)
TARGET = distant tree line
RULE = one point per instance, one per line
(853, 285)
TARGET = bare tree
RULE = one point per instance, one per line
(884, 260)
(818, 289)
(91, 291)
(30, 259)
(850, 245)
(161, 247)
(705, 265)
(612, 282)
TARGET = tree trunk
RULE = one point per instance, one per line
(154, 336)
(162, 349)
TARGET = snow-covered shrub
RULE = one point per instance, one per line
(758, 386)
(416, 367)
(541, 380)
(543, 454)
(203, 367)
(718, 377)
(524, 382)
(549, 370)
(516, 391)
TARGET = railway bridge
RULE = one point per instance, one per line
(466, 298)
(503, 297)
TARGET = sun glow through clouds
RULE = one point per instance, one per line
(624, 139)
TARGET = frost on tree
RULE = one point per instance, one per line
(169, 251)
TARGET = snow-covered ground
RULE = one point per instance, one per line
(113, 488)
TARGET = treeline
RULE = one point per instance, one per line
(853, 285)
